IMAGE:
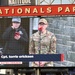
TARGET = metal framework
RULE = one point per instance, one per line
(50, 2)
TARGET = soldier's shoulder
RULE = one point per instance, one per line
(50, 33)
(36, 33)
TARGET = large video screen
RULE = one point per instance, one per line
(37, 35)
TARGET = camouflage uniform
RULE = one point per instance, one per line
(47, 45)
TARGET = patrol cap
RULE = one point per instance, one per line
(16, 19)
(43, 21)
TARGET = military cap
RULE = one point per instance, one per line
(43, 21)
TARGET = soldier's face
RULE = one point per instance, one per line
(44, 26)
(16, 24)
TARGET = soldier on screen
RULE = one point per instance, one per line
(42, 42)
(15, 37)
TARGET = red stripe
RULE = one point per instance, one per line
(62, 57)
(43, 10)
